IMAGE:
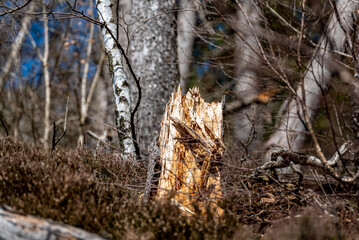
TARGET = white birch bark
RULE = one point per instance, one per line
(120, 85)
(45, 59)
(124, 31)
(154, 60)
(291, 131)
(16, 47)
(186, 20)
(247, 51)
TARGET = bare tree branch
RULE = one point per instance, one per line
(292, 127)
(54, 140)
(15, 48)
(14, 9)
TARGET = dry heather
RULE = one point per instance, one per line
(102, 195)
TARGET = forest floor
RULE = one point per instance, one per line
(102, 195)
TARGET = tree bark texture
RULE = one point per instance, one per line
(291, 128)
(154, 59)
(190, 151)
(247, 51)
(186, 21)
(121, 88)
(45, 65)
(354, 85)
(15, 226)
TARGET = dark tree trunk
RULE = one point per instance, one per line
(153, 55)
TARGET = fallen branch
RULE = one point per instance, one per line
(20, 227)
(282, 158)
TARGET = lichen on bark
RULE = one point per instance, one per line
(120, 86)
(154, 59)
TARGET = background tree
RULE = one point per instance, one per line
(247, 56)
(45, 64)
(154, 58)
(316, 79)
(186, 22)
(120, 85)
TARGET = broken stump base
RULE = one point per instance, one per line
(190, 150)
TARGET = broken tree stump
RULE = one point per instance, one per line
(190, 150)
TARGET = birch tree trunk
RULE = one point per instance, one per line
(186, 20)
(291, 130)
(45, 65)
(154, 60)
(120, 85)
(247, 51)
(16, 47)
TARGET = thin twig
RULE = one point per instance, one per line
(4, 125)
(54, 141)
(14, 9)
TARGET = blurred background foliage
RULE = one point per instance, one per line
(213, 68)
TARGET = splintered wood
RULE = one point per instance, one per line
(191, 148)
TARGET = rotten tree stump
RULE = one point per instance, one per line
(190, 150)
